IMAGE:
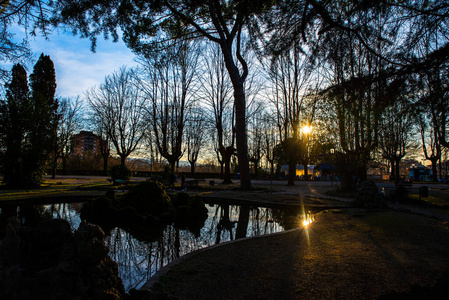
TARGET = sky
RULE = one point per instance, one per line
(77, 67)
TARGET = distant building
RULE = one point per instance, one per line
(86, 142)
(299, 170)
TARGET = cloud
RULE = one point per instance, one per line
(77, 67)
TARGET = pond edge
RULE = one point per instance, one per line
(164, 270)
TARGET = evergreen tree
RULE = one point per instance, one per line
(28, 124)
(14, 125)
(43, 120)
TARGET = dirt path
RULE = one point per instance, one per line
(344, 254)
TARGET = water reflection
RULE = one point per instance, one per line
(139, 258)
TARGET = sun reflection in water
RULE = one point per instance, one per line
(307, 219)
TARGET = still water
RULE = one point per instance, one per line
(139, 258)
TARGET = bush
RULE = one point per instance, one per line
(369, 196)
(148, 198)
(400, 194)
(119, 172)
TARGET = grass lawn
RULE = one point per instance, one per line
(52, 187)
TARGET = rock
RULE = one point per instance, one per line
(51, 262)
(11, 243)
(90, 242)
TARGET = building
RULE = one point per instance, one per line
(86, 142)
(299, 170)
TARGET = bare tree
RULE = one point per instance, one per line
(195, 135)
(395, 135)
(147, 24)
(100, 129)
(118, 104)
(169, 89)
(290, 76)
(434, 100)
(431, 146)
(217, 90)
(71, 122)
(255, 137)
(270, 138)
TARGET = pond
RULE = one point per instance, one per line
(139, 257)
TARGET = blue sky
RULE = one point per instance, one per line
(77, 67)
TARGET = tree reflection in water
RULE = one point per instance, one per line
(141, 252)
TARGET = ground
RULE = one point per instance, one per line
(344, 254)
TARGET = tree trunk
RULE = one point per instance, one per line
(240, 137)
(398, 171)
(105, 164)
(64, 164)
(192, 168)
(361, 176)
(240, 115)
(306, 169)
(291, 173)
(434, 169)
(122, 160)
(392, 170)
(256, 166)
(271, 166)
(226, 158)
(227, 169)
(55, 166)
(172, 163)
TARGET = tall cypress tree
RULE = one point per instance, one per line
(28, 124)
(14, 125)
(44, 119)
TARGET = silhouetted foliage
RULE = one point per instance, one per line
(29, 123)
(369, 196)
(14, 125)
(290, 151)
(119, 172)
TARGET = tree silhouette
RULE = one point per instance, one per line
(44, 118)
(14, 112)
(168, 87)
(118, 104)
(29, 123)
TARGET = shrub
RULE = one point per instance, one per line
(400, 194)
(148, 198)
(368, 196)
(119, 172)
